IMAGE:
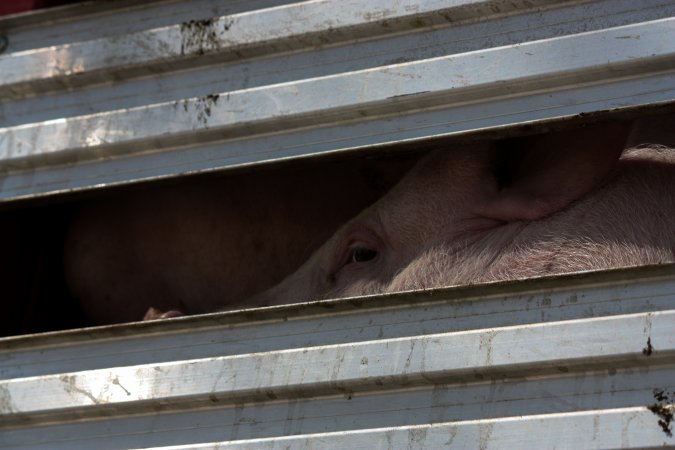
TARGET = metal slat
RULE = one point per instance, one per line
(316, 62)
(95, 19)
(480, 400)
(628, 428)
(576, 361)
(325, 370)
(563, 298)
(92, 138)
(576, 349)
(66, 177)
(284, 28)
(476, 76)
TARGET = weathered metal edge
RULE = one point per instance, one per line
(278, 107)
(332, 307)
(496, 353)
(625, 428)
(68, 13)
(291, 27)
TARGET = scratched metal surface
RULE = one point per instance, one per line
(575, 361)
(578, 361)
(132, 92)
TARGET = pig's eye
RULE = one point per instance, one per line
(362, 254)
(359, 254)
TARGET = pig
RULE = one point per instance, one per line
(555, 203)
(482, 211)
(202, 244)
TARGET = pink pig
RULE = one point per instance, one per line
(560, 202)
(548, 204)
(205, 244)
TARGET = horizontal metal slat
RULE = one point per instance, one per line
(329, 370)
(102, 135)
(95, 19)
(628, 52)
(457, 119)
(627, 428)
(284, 28)
(560, 298)
(475, 353)
(426, 43)
(490, 398)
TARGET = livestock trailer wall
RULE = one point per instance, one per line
(102, 94)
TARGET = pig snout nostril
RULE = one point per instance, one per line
(363, 254)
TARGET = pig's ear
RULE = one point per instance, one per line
(546, 173)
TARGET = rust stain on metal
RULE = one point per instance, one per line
(201, 36)
(6, 405)
(271, 394)
(664, 409)
(71, 387)
(116, 382)
(649, 349)
(202, 106)
(417, 437)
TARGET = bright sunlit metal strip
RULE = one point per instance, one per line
(551, 65)
(565, 347)
(624, 428)
(219, 420)
(325, 323)
(583, 361)
(529, 25)
(450, 357)
(64, 175)
(252, 33)
(436, 80)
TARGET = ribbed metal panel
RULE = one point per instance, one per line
(581, 361)
(248, 83)
(111, 92)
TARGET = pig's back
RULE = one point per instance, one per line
(629, 221)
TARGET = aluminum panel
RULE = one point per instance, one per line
(494, 73)
(575, 361)
(520, 350)
(392, 79)
(95, 19)
(591, 365)
(284, 28)
(314, 62)
(325, 323)
(59, 177)
(629, 428)
(600, 391)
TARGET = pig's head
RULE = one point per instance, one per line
(455, 214)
